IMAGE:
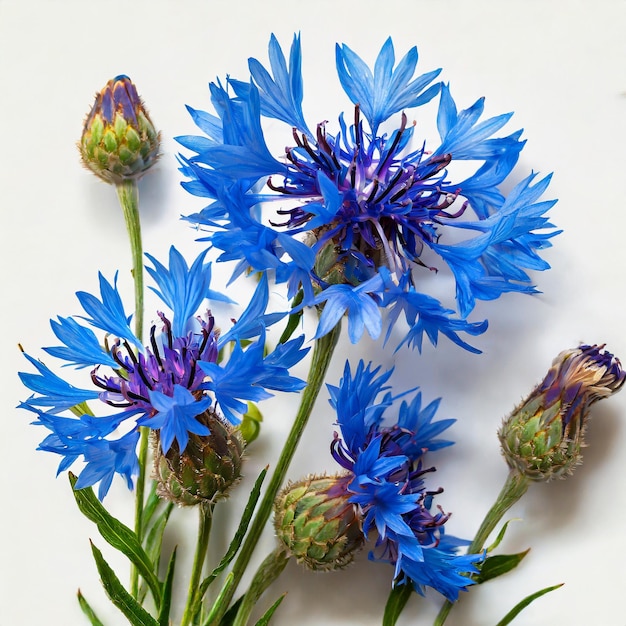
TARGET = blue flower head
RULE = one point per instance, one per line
(385, 481)
(361, 212)
(166, 385)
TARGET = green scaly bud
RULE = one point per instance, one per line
(119, 141)
(543, 437)
(317, 524)
(207, 468)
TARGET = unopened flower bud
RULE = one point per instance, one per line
(119, 141)
(206, 469)
(543, 437)
(317, 524)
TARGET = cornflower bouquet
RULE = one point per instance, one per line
(357, 222)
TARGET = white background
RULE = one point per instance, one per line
(559, 65)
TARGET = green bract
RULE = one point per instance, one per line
(208, 467)
(317, 524)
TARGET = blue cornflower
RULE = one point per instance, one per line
(362, 211)
(168, 385)
(386, 481)
(323, 521)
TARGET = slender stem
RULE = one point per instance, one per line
(322, 355)
(204, 531)
(128, 196)
(268, 572)
(514, 488)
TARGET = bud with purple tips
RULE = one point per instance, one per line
(119, 141)
(543, 437)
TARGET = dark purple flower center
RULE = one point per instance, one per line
(390, 200)
(169, 361)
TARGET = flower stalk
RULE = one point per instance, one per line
(128, 195)
(514, 488)
(205, 512)
(322, 355)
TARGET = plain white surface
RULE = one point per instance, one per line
(558, 65)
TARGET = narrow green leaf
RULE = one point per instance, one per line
(87, 610)
(231, 614)
(154, 540)
(396, 602)
(117, 535)
(518, 608)
(294, 318)
(153, 543)
(166, 604)
(224, 592)
(495, 566)
(500, 536)
(149, 509)
(267, 616)
(133, 611)
(239, 535)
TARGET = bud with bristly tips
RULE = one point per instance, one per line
(209, 466)
(317, 523)
(119, 141)
(543, 437)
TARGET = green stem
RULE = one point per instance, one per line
(322, 355)
(128, 195)
(204, 531)
(268, 572)
(514, 488)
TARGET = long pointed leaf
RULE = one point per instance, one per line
(294, 319)
(265, 620)
(239, 535)
(133, 611)
(153, 543)
(500, 536)
(396, 602)
(150, 508)
(117, 535)
(154, 540)
(495, 566)
(166, 604)
(231, 614)
(518, 608)
(228, 583)
(87, 610)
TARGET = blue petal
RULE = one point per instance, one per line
(108, 314)
(464, 137)
(280, 94)
(183, 289)
(54, 391)
(82, 347)
(385, 92)
(254, 319)
(354, 400)
(362, 309)
(176, 417)
(248, 374)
